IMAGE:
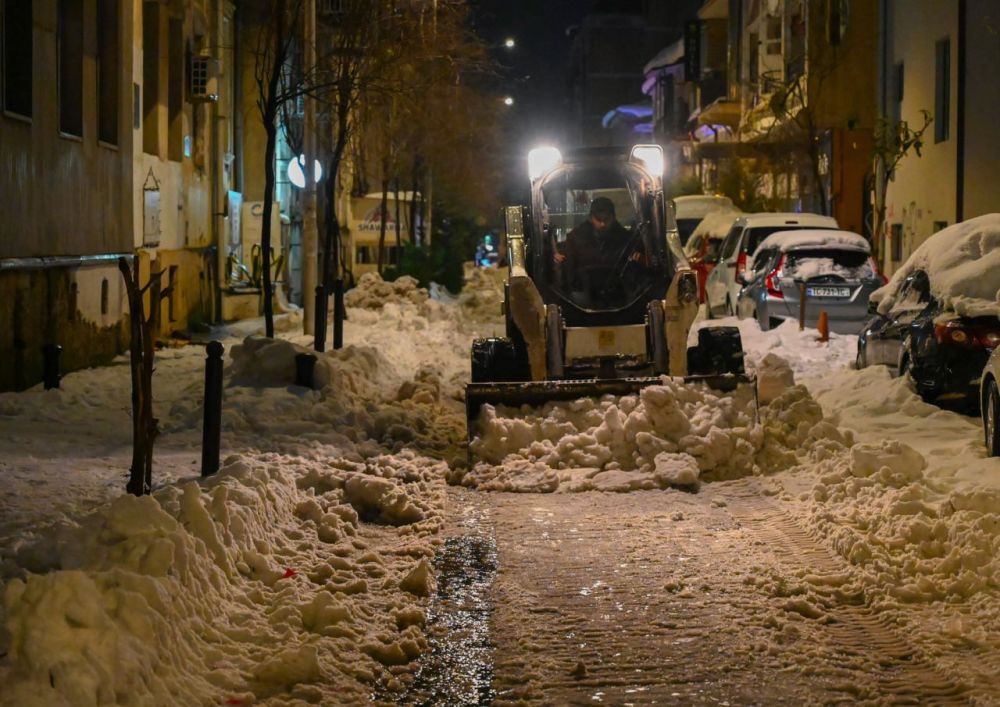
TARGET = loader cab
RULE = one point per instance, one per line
(632, 265)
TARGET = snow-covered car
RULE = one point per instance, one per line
(703, 247)
(691, 209)
(835, 268)
(989, 402)
(725, 281)
(938, 318)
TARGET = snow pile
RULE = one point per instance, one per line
(962, 263)
(669, 434)
(269, 580)
(810, 267)
(372, 292)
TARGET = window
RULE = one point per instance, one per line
(896, 236)
(175, 90)
(942, 90)
(896, 102)
(107, 71)
(17, 64)
(71, 67)
(939, 225)
(150, 77)
(837, 12)
(364, 255)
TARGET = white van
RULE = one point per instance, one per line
(726, 279)
(690, 210)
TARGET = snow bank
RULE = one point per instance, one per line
(264, 580)
(962, 263)
(372, 292)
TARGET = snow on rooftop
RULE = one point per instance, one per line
(815, 238)
(962, 263)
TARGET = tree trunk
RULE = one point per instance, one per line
(413, 203)
(141, 354)
(265, 231)
(383, 216)
(399, 236)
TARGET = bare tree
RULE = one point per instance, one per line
(142, 347)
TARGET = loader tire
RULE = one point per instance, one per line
(496, 360)
(658, 354)
(719, 351)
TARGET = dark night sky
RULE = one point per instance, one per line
(535, 71)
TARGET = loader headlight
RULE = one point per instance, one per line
(687, 288)
(651, 156)
(542, 160)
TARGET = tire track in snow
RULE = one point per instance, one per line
(903, 673)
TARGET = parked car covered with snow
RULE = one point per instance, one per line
(691, 209)
(989, 404)
(705, 244)
(748, 231)
(834, 269)
(938, 319)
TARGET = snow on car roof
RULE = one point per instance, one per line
(815, 238)
(699, 205)
(962, 263)
(716, 224)
(789, 219)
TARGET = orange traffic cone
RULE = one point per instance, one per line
(823, 326)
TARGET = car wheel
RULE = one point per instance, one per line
(862, 360)
(991, 416)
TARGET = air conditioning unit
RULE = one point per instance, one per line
(203, 79)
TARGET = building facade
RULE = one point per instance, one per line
(938, 57)
(66, 154)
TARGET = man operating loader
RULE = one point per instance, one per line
(597, 253)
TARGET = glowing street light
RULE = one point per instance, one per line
(509, 43)
(297, 173)
(508, 100)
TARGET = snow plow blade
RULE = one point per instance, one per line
(537, 393)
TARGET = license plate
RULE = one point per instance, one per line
(828, 291)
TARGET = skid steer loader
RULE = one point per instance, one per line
(614, 329)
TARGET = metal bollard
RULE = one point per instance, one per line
(50, 365)
(211, 439)
(305, 366)
(802, 305)
(319, 325)
(338, 313)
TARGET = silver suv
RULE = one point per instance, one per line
(833, 270)
(727, 278)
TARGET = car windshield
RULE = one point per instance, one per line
(597, 262)
(806, 263)
(685, 227)
(713, 248)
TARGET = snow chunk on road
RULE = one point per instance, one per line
(669, 434)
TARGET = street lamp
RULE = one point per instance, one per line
(509, 43)
(508, 100)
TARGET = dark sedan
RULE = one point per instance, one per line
(942, 352)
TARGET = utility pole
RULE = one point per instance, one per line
(310, 234)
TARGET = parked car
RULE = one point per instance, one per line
(691, 209)
(722, 285)
(989, 400)
(705, 244)
(938, 319)
(834, 269)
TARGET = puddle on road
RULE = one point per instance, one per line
(457, 669)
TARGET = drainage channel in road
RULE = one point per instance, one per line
(457, 669)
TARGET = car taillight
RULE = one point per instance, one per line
(878, 273)
(953, 333)
(988, 338)
(741, 264)
(771, 280)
